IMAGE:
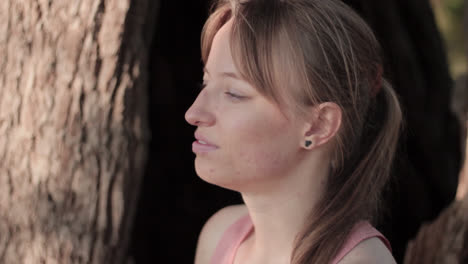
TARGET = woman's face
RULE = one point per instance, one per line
(249, 139)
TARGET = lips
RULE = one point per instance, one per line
(203, 141)
(202, 145)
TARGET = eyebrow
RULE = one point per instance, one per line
(225, 74)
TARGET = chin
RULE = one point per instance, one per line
(215, 176)
(204, 171)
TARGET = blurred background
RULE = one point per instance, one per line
(450, 16)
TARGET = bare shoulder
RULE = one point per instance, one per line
(369, 251)
(213, 230)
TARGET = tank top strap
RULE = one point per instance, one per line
(361, 231)
(231, 239)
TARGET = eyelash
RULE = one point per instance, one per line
(235, 96)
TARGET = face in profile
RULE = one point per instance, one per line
(243, 138)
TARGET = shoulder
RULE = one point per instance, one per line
(369, 251)
(213, 230)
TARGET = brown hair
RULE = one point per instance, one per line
(303, 52)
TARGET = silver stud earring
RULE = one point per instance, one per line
(308, 143)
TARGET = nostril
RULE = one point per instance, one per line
(192, 119)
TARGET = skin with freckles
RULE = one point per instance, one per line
(256, 140)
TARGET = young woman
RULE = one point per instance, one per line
(295, 115)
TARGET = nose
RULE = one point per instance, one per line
(199, 114)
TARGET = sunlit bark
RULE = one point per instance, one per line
(72, 128)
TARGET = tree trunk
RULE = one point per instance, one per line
(72, 128)
(444, 241)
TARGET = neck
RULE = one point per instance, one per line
(280, 211)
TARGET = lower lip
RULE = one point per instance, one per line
(201, 148)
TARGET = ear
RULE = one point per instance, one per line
(321, 125)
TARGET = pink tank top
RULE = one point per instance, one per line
(241, 229)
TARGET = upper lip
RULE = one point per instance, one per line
(199, 137)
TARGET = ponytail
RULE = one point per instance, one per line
(354, 193)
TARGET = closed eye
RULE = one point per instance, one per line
(202, 86)
(233, 95)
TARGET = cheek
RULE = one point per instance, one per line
(255, 145)
(262, 147)
(269, 158)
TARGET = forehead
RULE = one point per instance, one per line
(220, 57)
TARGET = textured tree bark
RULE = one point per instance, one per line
(443, 241)
(72, 128)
